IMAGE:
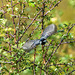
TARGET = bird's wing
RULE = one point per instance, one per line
(36, 42)
(28, 46)
(51, 29)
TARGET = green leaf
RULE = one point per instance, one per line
(3, 21)
(8, 29)
(5, 53)
(16, 8)
(32, 4)
(0, 50)
(28, 16)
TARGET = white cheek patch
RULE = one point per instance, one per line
(40, 42)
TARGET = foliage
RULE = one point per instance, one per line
(24, 20)
(72, 3)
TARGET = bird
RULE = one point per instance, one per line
(50, 30)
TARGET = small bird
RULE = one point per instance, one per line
(51, 29)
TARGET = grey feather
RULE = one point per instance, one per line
(51, 29)
(28, 46)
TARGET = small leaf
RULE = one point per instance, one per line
(53, 19)
(5, 53)
(3, 21)
(16, 8)
(0, 50)
(32, 4)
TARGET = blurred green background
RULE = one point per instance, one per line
(63, 13)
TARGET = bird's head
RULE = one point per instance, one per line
(43, 41)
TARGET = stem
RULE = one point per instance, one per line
(34, 62)
(13, 22)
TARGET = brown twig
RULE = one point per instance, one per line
(53, 7)
(67, 42)
(34, 61)
(42, 21)
(13, 21)
(9, 43)
(60, 64)
(19, 20)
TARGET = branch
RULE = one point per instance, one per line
(59, 44)
(68, 42)
(53, 7)
(13, 22)
(61, 64)
(29, 25)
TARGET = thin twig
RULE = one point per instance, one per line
(53, 7)
(61, 64)
(13, 21)
(68, 42)
(42, 21)
(34, 61)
